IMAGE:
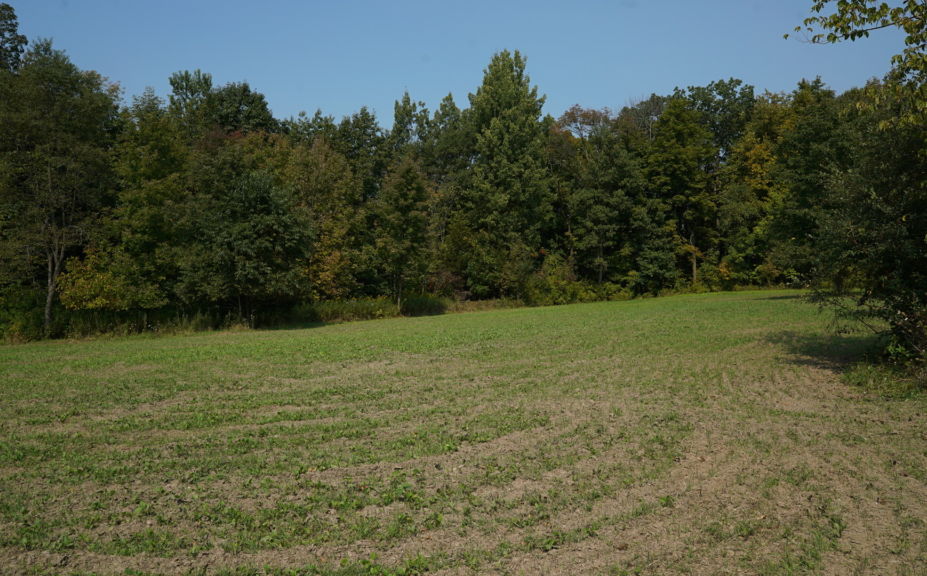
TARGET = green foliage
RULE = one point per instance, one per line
(201, 108)
(402, 225)
(873, 240)
(189, 100)
(855, 19)
(811, 145)
(411, 125)
(749, 191)
(12, 43)
(505, 201)
(150, 144)
(237, 108)
(601, 186)
(676, 165)
(424, 305)
(21, 314)
(208, 207)
(347, 310)
(55, 171)
(655, 268)
(874, 231)
(554, 283)
(361, 140)
(327, 192)
(110, 280)
(244, 246)
(726, 107)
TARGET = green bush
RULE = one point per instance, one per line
(424, 305)
(83, 323)
(21, 315)
(555, 283)
(610, 291)
(348, 310)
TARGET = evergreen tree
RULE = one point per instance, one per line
(506, 197)
(12, 43)
(411, 123)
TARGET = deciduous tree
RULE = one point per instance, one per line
(855, 19)
(678, 162)
(58, 122)
(402, 226)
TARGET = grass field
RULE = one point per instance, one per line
(705, 434)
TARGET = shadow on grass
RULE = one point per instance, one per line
(856, 358)
(293, 325)
(837, 352)
(782, 297)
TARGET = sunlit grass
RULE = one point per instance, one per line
(683, 434)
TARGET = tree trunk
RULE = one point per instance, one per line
(55, 256)
(694, 269)
(694, 258)
(49, 296)
(572, 243)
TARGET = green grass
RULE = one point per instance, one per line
(692, 434)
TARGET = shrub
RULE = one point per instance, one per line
(21, 315)
(424, 305)
(348, 310)
(555, 283)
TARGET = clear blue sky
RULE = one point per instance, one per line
(340, 55)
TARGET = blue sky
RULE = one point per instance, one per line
(340, 55)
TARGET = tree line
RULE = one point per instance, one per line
(206, 203)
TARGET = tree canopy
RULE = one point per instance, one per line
(203, 204)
